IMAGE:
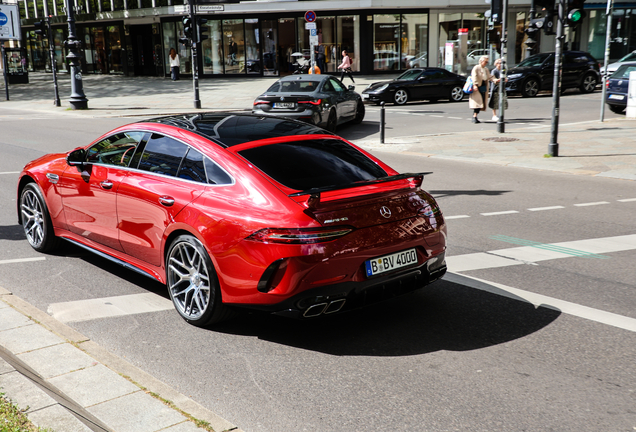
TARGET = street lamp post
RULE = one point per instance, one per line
(78, 99)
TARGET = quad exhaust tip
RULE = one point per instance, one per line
(324, 308)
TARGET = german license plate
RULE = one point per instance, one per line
(615, 96)
(391, 262)
(364, 96)
(284, 105)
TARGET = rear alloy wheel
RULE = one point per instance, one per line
(400, 97)
(332, 121)
(530, 88)
(456, 94)
(360, 111)
(36, 221)
(192, 283)
(588, 85)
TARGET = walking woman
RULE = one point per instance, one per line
(174, 64)
(494, 92)
(345, 66)
(478, 100)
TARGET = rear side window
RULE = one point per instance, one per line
(192, 167)
(162, 155)
(623, 71)
(312, 164)
(296, 86)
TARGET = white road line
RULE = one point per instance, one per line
(533, 254)
(574, 309)
(499, 213)
(545, 208)
(85, 310)
(438, 116)
(21, 260)
(591, 204)
(10, 172)
(627, 200)
(456, 118)
(456, 217)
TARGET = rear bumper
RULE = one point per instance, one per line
(352, 295)
(615, 101)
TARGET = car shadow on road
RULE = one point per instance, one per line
(443, 316)
(12, 232)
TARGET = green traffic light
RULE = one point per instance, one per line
(575, 15)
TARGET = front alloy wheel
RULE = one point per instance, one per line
(457, 94)
(588, 85)
(36, 221)
(192, 282)
(401, 97)
(530, 88)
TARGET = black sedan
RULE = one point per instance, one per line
(318, 99)
(417, 84)
(617, 86)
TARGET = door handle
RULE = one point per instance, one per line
(106, 184)
(166, 201)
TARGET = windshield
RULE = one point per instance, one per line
(629, 57)
(409, 75)
(623, 71)
(535, 60)
(296, 86)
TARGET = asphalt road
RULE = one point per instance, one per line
(450, 357)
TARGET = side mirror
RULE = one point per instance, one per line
(351, 88)
(76, 158)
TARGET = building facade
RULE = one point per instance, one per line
(265, 38)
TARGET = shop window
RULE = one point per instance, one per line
(270, 48)
(326, 38)
(348, 30)
(212, 49)
(252, 47)
(288, 44)
(414, 40)
(234, 46)
(386, 43)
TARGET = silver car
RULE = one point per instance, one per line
(611, 68)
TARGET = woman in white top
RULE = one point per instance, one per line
(174, 64)
(345, 66)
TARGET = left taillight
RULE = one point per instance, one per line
(261, 102)
(299, 235)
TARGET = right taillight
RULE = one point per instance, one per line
(299, 235)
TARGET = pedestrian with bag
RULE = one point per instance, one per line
(494, 92)
(174, 64)
(345, 66)
(478, 99)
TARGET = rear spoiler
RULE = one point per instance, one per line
(314, 193)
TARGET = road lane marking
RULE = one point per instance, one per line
(530, 254)
(456, 217)
(546, 208)
(568, 251)
(10, 172)
(106, 307)
(627, 200)
(539, 300)
(499, 213)
(21, 260)
(456, 118)
(438, 116)
(591, 204)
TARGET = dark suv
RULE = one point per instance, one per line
(579, 70)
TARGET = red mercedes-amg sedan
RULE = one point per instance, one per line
(234, 210)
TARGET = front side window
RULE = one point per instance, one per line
(313, 163)
(116, 150)
(162, 155)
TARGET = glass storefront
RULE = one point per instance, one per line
(463, 40)
(348, 39)
(622, 34)
(270, 48)
(400, 41)
(172, 31)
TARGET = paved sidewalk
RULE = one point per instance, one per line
(68, 383)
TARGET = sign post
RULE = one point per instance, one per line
(9, 30)
(310, 18)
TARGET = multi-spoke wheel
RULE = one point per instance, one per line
(192, 282)
(401, 97)
(360, 111)
(530, 88)
(456, 94)
(588, 85)
(36, 221)
(332, 121)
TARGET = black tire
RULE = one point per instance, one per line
(360, 112)
(332, 121)
(192, 283)
(36, 221)
(456, 94)
(588, 83)
(530, 87)
(616, 109)
(401, 97)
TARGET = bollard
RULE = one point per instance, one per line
(381, 122)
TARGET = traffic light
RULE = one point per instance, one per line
(495, 11)
(548, 15)
(203, 28)
(548, 22)
(187, 27)
(40, 28)
(575, 12)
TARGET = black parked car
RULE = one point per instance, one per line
(318, 99)
(579, 70)
(617, 86)
(417, 84)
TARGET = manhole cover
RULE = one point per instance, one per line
(500, 139)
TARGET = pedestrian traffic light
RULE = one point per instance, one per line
(203, 28)
(575, 13)
(40, 28)
(495, 11)
(187, 27)
(548, 22)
